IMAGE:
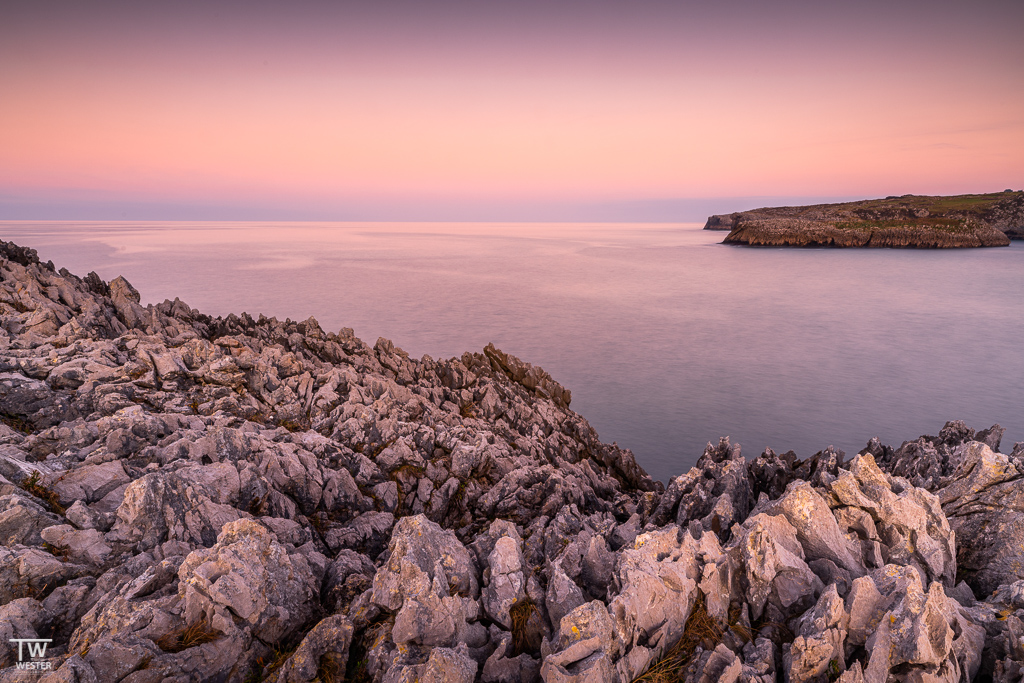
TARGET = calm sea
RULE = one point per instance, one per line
(666, 338)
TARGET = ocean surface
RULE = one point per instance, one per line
(666, 338)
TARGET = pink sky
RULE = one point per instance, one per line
(316, 105)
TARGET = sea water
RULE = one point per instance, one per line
(666, 338)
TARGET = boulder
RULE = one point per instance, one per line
(585, 647)
(716, 493)
(325, 646)
(162, 507)
(247, 580)
(984, 502)
(83, 547)
(766, 550)
(21, 520)
(909, 520)
(21, 618)
(505, 583)
(429, 581)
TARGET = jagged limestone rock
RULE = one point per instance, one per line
(430, 581)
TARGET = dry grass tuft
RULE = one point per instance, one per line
(747, 634)
(16, 423)
(190, 636)
(700, 630)
(526, 627)
(362, 644)
(60, 553)
(300, 424)
(280, 657)
(40, 491)
(331, 670)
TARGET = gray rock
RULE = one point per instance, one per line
(21, 520)
(247, 580)
(113, 659)
(584, 648)
(909, 519)
(816, 528)
(88, 482)
(30, 571)
(502, 667)
(563, 595)
(448, 666)
(984, 502)
(14, 465)
(429, 581)
(718, 665)
(1011, 667)
(33, 400)
(82, 547)
(67, 604)
(22, 618)
(82, 516)
(506, 584)
(818, 648)
(366, 533)
(768, 551)
(144, 606)
(327, 644)
(906, 626)
(165, 507)
(126, 300)
(73, 670)
(716, 492)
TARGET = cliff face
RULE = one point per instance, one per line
(721, 222)
(923, 222)
(234, 499)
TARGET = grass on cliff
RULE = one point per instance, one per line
(526, 627)
(954, 225)
(16, 423)
(701, 630)
(965, 202)
(940, 204)
(330, 669)
(189, 636)
(32, 485)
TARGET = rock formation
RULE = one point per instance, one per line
(188, 498)
(910, 221)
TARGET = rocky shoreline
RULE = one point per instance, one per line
(189, 498)
(990, 220)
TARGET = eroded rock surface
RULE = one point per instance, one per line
(986, 220)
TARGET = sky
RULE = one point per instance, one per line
(494, 110)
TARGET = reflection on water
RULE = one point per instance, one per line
(666, 338)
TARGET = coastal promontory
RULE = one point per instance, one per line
(979, 220)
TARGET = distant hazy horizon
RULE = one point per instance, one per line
(685, 210)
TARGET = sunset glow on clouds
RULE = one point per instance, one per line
(323, 106)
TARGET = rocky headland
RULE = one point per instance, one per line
(982, 220)
(189, 498)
